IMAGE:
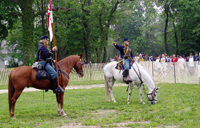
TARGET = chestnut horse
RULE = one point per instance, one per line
(24, 76)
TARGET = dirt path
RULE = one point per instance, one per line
(68, 87)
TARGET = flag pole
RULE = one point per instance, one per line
(54, 42)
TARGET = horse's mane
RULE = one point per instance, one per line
(145, 70)
(68, 60)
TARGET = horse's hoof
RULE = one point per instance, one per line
(143, 103)
(108, 100)
(128, 102)
(64, 115)
(13, 117)
(114, 101)
(59, 114)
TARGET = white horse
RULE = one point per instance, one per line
(138, 76)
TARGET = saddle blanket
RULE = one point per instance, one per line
(43, 74)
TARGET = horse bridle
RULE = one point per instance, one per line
(80, 63)
(153, 94)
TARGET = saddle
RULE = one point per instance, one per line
(41, 72)
(120, 66)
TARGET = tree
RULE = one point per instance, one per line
(6, 17)
(28, 14)
(188, 26)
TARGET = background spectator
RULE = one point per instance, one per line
(174, 58)
(140, 56)
(196, 56)
(151, 58)
(181, 64)
(191, 64)
(116, 57)
(158, 59)
(137, 58)
(163, 59)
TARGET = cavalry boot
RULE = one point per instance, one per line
(55, 88)
(126, 76)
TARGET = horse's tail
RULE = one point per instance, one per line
(107, 89)
(11, 90)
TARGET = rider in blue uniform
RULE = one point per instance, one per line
(126, 55)
(42, 55)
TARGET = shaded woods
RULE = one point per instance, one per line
(89, 27)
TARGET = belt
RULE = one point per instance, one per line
(42, 61)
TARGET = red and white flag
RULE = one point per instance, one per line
(50, 20)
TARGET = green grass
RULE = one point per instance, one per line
(72, 83)
(178, 105)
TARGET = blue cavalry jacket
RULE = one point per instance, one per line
(121, 49)
(43, 53)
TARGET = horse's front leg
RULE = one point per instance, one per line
(130, 86)
(60, 110)
(140, 91)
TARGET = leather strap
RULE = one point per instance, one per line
(139, 76)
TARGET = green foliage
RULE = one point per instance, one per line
(176, 107)
(90, 28)
(6, 17)
(15, 45)
(130, 26)
(188, 26)
(185, 16)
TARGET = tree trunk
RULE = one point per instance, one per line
(165, 34)
(0, 43)
(61, 51)
(104, 49)
(87, 32)
(176, 38)
(43, 28)
(28, 28)
(86, 52)
(104, 28)
(99, 56)
(104, 55)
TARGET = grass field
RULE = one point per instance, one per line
(178, 106)
(72, 83)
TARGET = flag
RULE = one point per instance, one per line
(50, 20)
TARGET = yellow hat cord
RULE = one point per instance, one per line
(123, 58)
(126, 47)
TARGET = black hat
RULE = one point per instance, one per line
(44, 37)
(125, 39)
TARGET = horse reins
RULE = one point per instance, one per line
(154, 90)
(139, 75)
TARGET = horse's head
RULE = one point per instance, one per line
(79, 66)
(152, 97)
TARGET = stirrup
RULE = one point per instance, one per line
(58, 90)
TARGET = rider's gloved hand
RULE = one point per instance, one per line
(54, 48)
(114, 43)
